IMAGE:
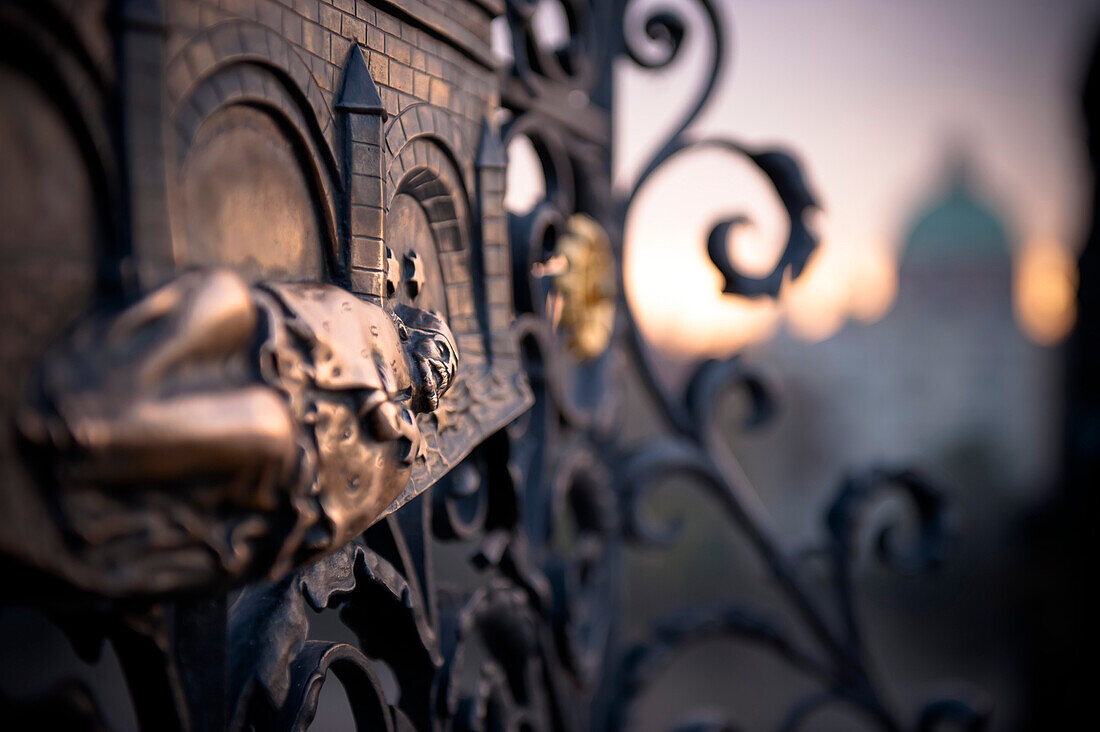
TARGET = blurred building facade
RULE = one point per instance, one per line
(946, 380)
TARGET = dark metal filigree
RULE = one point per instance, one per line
(697, 449)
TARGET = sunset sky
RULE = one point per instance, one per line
(871, 95)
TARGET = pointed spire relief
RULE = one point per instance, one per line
(491, 152)
(359, 94)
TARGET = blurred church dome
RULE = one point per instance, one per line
(959, 227)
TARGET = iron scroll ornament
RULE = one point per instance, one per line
(696, 449)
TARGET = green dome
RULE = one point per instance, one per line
(957, 227)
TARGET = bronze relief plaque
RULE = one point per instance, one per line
(292, 338)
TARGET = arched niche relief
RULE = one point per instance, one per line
(427, 247)
(253, 185)
(427, 225)
(411, 242)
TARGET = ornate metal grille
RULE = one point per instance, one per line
(419, 435)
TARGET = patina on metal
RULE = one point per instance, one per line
(174, 431)
(275, 348)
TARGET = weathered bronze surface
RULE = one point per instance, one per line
(175, 432)
(300, 379)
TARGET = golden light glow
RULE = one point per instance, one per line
(815, 304)
(674, 290)
(874, 283)
(1044, 291)
(839, 283)
(843, 280)
(696, 319)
